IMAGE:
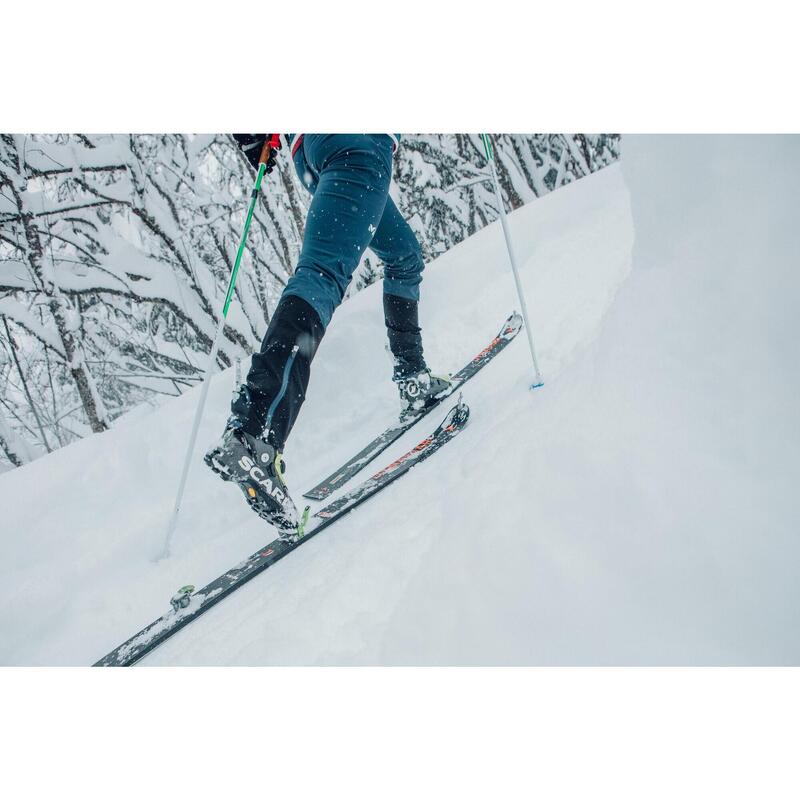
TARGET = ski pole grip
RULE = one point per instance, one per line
(273, 142)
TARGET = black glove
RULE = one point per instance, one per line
(252, 144)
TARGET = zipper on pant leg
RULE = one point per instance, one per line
(287, 368)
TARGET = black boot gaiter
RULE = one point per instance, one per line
(268, 403)
(405, 339)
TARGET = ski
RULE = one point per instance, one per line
(188, 604)
(339, 477)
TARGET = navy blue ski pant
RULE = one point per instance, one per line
(349, 176)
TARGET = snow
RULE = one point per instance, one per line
(640, 508)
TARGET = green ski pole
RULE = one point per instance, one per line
(487, 145)
(272, 142)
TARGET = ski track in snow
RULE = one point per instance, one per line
(612, 517)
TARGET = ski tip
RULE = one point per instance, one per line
(537, 385)
(513, 325)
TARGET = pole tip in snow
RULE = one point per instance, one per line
(537, 383)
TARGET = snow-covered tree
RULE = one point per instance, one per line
(115, 254)
(444, 189)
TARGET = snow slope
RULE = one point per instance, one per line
(639, 509)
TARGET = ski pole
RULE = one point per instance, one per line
(272, 143)
(487, 145)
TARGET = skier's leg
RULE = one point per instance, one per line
(349, 176)
(398, 248)
(354, 173)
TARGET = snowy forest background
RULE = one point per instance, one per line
(115, 252)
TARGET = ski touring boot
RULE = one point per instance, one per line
(420, 390)
(258, 469)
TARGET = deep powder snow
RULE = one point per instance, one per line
(638, 509)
